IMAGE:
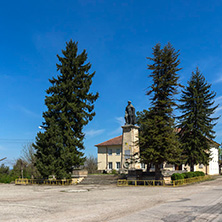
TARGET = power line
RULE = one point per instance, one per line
(16, 140)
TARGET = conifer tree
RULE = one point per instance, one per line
(158, 140)
(196, 123)
(70, 107)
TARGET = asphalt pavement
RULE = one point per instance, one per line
(199, 202)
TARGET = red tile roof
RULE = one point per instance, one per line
(118, 140)
(112, 142)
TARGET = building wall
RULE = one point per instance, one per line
(213, 164)
(167, 166)
(101, 158)
(105, 157)
(201, 167)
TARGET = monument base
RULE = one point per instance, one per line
(130, 146)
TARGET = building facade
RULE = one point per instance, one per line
(113, 153)
(110, 154)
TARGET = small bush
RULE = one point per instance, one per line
(199, 174)
(114, 171)
(6, 178)
(188, 175)
(177, 176)
(180, 176)
(184, 175)
(195, 174)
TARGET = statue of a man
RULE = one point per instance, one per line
(130, 114)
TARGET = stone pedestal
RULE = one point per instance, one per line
(130, 144)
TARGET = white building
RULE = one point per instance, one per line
(111, 156)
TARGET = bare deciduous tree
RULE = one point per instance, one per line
(28, 156)
(91, 164)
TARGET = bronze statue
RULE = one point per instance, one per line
(130, 114)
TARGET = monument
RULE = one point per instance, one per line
(130, 114)
(130, 144)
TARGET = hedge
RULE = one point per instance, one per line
(180, 176)
(177, 176)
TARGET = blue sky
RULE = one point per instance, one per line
(118, 36)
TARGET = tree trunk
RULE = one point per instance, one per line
(148, 167)
(192, 167)
(157, 172)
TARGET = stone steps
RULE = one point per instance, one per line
(102, 179)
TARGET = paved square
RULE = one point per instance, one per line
(199, 202)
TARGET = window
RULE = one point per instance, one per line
(142, 165)
(117, 152)
(110, 166)
(201, 166)
(127, 154)
(109, 152)
(117, 165)
(152, 165)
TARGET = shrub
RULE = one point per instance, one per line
(199, 174)
(195, 174)
(184, 175)
(189, 174)
(6, 178)
(114, 171)
(177, 176)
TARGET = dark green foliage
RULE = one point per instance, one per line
(5, 174)
(196, 123)
(177, 176)
(114, 172)
(7, 178)
(22, 169)
(188, 175)
(70, 107)
(4, 169)
(180, 176)
(199, 174)
(158, 139)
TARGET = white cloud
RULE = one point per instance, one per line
(92, 133)
(218, 109)
(218, 133)
(116, 131)
(218, 99)
(218, 80)
(25, 110)
(120, 120)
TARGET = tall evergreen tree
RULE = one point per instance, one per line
(70, 107)
(196, 123)
(158, 140)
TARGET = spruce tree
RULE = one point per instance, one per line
(70, 107)
(158, 140)
(195, 123)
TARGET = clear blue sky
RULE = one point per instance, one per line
(118, 36)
